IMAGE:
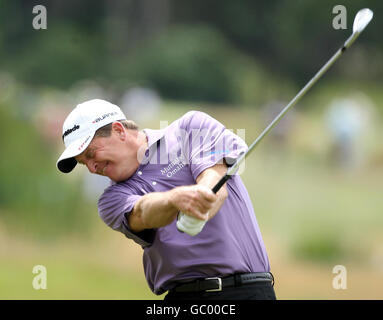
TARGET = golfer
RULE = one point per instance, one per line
(155, 175)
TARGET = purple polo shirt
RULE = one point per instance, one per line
(230, 242)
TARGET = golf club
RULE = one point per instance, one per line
(193, 226)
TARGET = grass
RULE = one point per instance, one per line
(70, 280)
(76, 269)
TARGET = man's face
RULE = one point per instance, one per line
(114, 157)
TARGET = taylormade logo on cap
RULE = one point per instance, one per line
(81, 125)
(75, 127)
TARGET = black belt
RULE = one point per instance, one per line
(217, 283)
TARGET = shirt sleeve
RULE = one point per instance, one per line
(114, 207)
(207, 142)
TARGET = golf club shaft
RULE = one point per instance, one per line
(231, 170)
(193, 225)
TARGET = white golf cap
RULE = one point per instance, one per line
(81, 125)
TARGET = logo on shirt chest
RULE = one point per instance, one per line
(175, 166)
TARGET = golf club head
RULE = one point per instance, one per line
(362, 19)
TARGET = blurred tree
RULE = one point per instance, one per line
(185, 62)
(95, 38)
(127, 23)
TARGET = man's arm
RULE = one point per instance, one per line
(158, 209)
(152, 210)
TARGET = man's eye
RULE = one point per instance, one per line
(90, 155)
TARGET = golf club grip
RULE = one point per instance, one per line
(192, 226)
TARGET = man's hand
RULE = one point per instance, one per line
(208, 178)
(195, 201)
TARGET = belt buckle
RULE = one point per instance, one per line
(219, 284)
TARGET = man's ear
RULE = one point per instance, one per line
(119, 130)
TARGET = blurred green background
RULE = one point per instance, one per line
(316, 182)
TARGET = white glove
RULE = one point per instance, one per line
(189, 224)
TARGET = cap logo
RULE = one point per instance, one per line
(75, 127)
(104, 116)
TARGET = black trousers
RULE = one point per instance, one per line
(254, 291)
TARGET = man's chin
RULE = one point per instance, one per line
(120, 178)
